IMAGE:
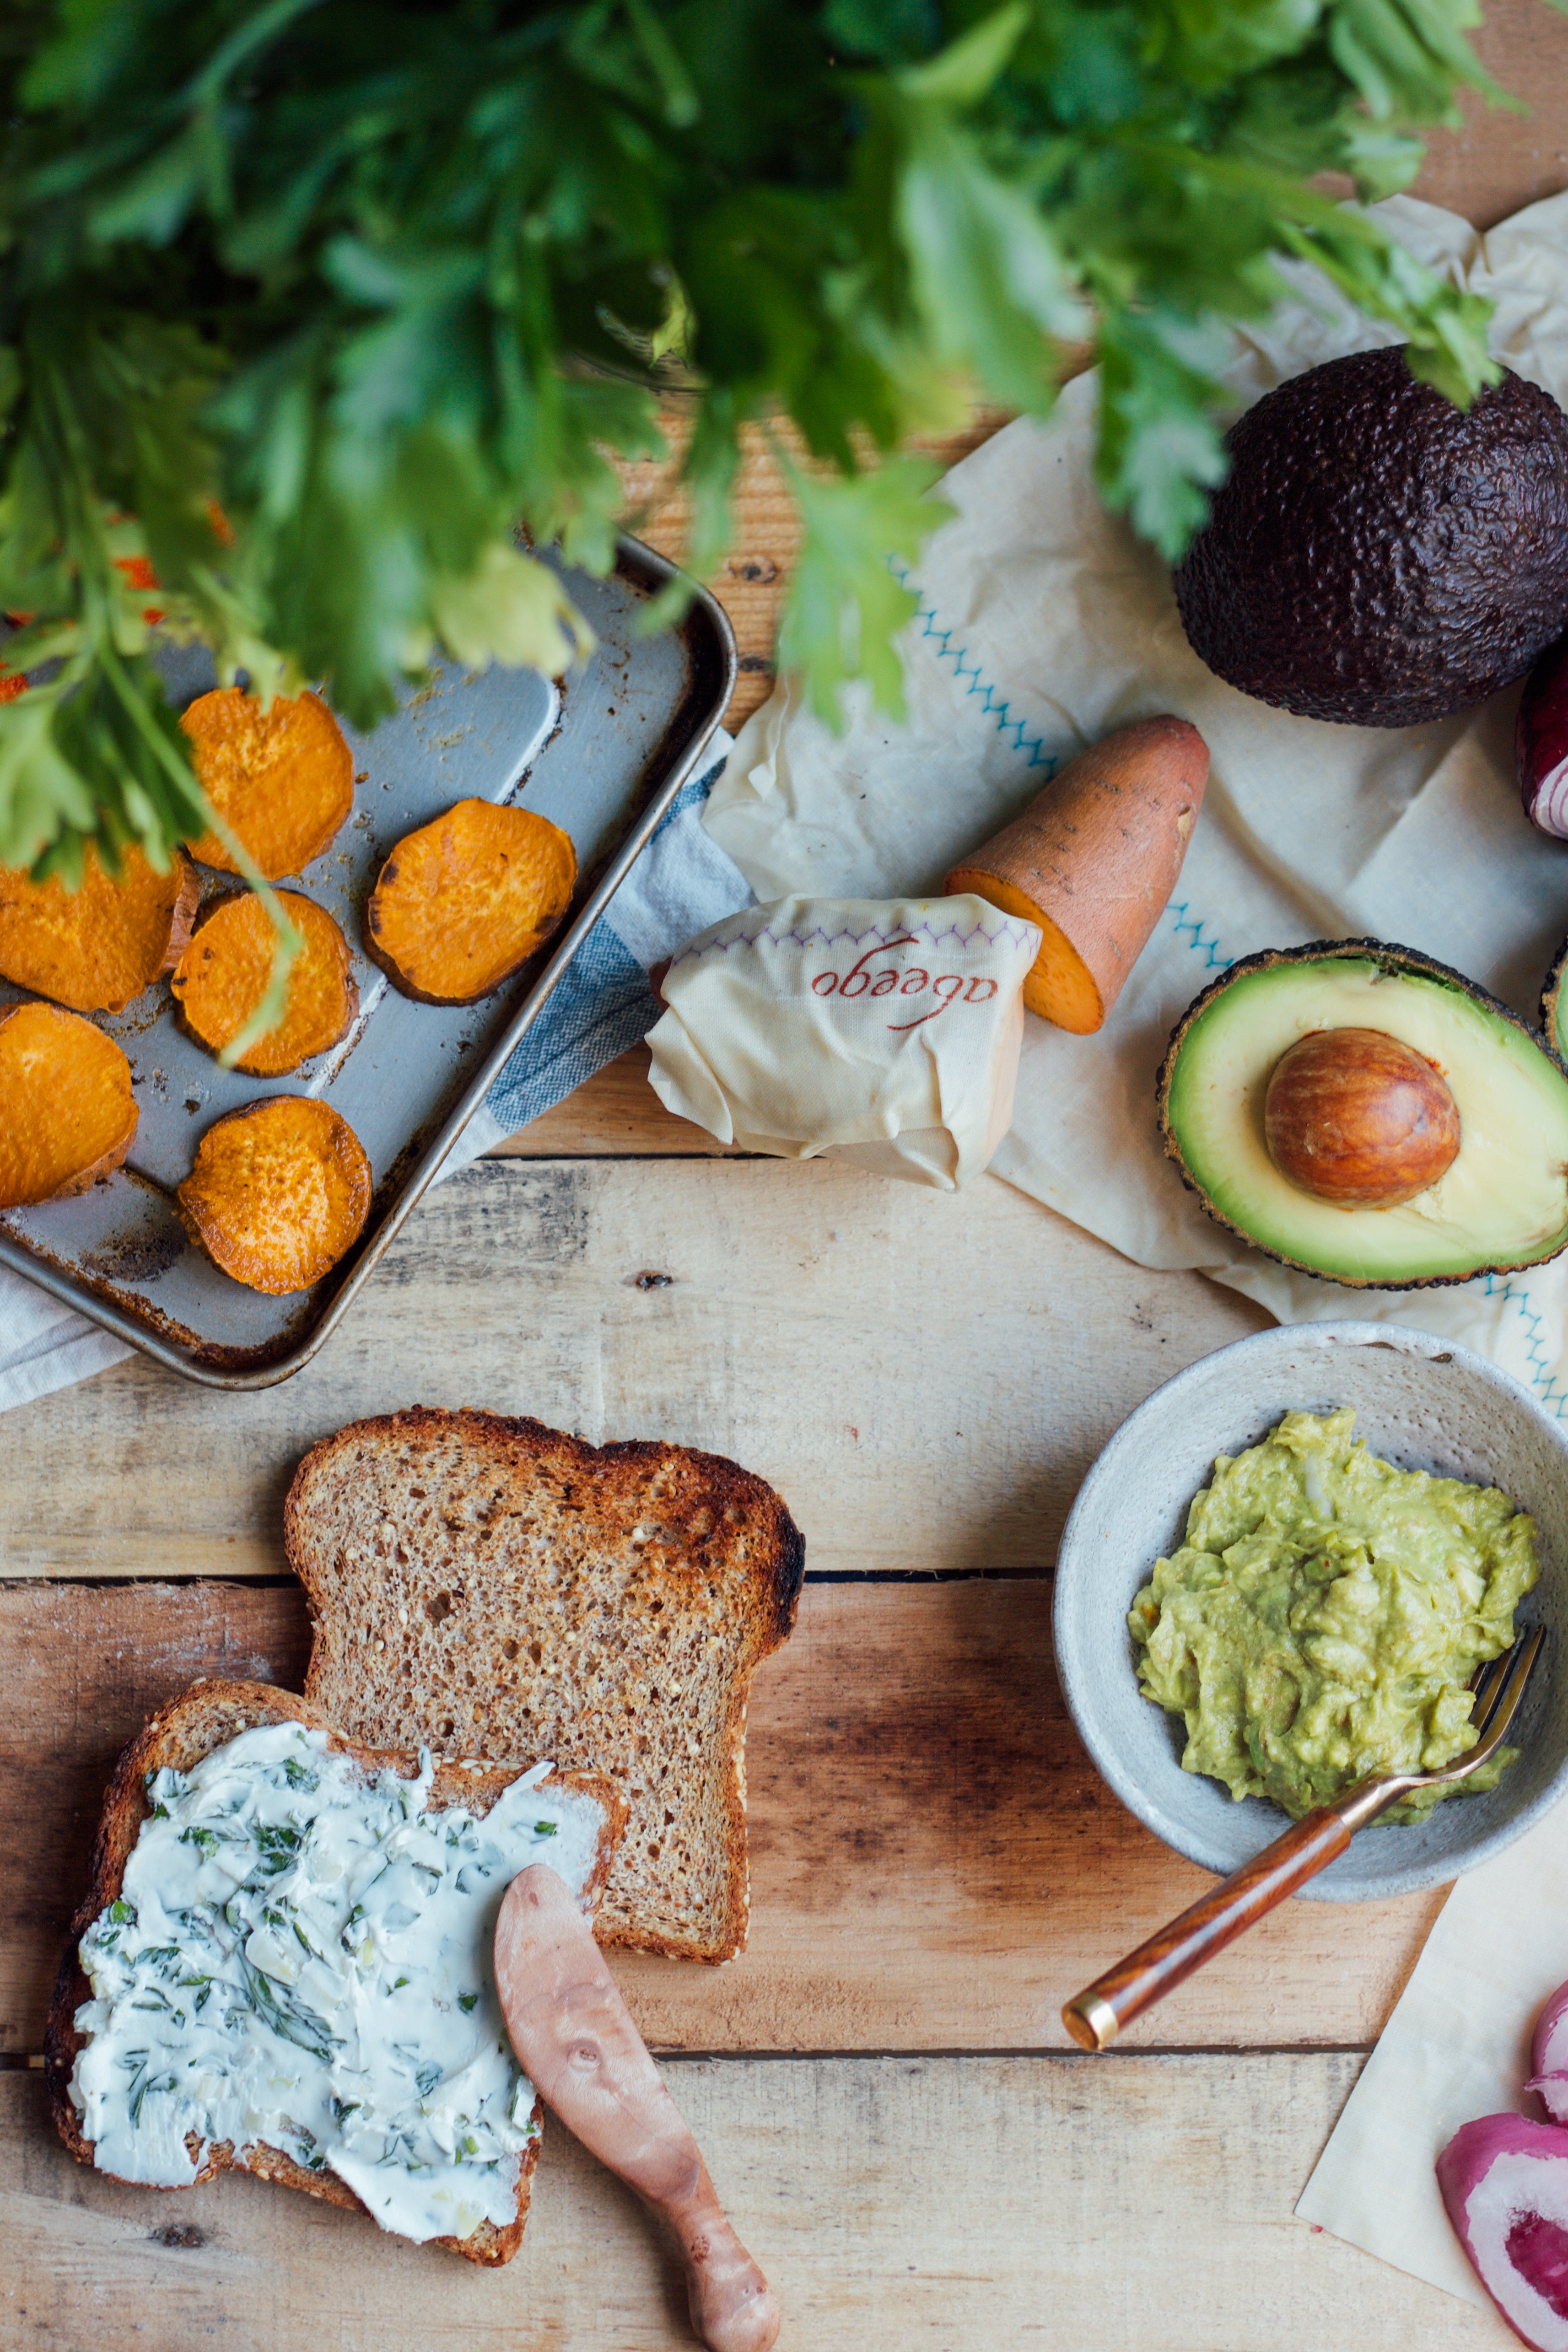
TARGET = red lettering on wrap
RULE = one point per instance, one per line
(948, 987)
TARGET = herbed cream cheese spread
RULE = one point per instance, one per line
(300, 1954)
(1324, 1615)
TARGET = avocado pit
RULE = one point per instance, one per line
(1359, 1118)
(1502, 1204)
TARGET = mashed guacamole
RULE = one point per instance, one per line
(1324, 1615)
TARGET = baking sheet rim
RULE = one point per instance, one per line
(79, 1295)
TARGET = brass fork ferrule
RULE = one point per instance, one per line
(1093, 2024)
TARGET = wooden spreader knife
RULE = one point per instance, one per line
(578, 2045)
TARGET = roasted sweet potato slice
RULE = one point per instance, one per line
(67, 1112)
(96, 947)
(463, 902)
(283, 778)
(281, 1189)
(223, 975)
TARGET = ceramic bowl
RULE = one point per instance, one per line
(1422, 1402)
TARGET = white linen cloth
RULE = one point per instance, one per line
(881, 1031)
(681, 882)
(1042, 624)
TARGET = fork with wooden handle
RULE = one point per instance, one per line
(1095, 2016)
(576, 2043)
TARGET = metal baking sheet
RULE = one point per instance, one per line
(603, 754)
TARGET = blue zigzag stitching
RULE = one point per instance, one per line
(1038, 757)
(1542, 1379)
(1208, 948)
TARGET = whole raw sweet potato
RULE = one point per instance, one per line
(1093, 860)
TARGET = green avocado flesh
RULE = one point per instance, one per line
(1324, 1615)
(1502, 1204)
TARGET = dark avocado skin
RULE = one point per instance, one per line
(1396, 959)
(1376, 555)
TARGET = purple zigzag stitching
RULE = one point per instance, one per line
(1009, 930)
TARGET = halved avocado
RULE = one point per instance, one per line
(1551, 1004)
(1502, 1205)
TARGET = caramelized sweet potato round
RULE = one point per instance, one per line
(222, 976)
(283, 778)
(281, 1189)
(67, 1112)
(462, 903)
(96, 947)
(1359, 1118)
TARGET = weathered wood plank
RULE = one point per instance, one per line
(751, 582)
(1089, 2205)
(935, 1865)
(612, 1113)
(925, 1377)
(85, 1666)
(1497, 162)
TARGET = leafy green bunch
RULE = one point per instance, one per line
(306, 304)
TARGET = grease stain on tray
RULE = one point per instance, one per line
(137, 1256)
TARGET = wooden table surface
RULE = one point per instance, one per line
(881, 2082)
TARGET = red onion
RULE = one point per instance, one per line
(1541, 743)
(1505, 2184)
(1549, 2056)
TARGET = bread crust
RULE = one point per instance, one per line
(714, 1515)
(181, 1734)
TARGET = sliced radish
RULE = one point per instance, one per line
(1549, 2056)
(1549, 2043)
(1505, 2183)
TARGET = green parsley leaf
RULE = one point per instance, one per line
(305, 309)
(845, 606)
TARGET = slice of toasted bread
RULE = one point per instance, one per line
(206, 1717)
(495, 1587)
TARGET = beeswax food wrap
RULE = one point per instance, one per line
(1042, 624)
(881, 1031)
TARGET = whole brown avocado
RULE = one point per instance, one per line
(1376, 555)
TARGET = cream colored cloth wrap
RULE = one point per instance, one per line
(881, 1031)
(1044, 624)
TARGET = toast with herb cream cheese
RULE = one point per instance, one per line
(494, 1588)
(284, 1962)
